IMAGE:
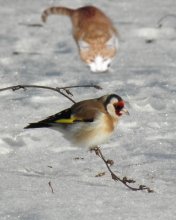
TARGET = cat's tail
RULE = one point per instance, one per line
(56, 11)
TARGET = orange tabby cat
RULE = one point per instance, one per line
(94, 34)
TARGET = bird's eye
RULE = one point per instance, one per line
(117, 108)
(119, 105)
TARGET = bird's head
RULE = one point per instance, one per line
(114, 105)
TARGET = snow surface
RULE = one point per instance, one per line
(144, 148)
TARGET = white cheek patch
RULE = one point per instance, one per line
(100, 64)
(111, 110)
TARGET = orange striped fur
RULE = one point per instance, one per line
(93, 32)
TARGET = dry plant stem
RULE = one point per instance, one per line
(49, 183)
(57, 89)
(26, 53)
(124, 180)
(31, 25)
(100, 174)
(159, 23)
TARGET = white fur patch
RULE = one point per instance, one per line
(100, 64)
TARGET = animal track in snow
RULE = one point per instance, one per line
(150, 33)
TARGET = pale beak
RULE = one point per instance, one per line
(124, 111)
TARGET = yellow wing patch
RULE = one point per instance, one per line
(67, 120)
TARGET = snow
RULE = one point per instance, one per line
(143, 147)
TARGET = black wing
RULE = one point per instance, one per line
(48, 122)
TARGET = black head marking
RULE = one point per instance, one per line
(111, 96)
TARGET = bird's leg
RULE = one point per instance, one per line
(123, 180)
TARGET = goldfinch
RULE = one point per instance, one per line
(87, 123)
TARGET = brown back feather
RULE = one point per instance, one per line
(87, 109)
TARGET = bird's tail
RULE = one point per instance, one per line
(38, 125)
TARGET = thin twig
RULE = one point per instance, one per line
(79, 86)
(25, 53)
(123, 180)
(159, 23)
(78, 158)
(57, 89)
(31, 25)
(100, 174)
(49, 183)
